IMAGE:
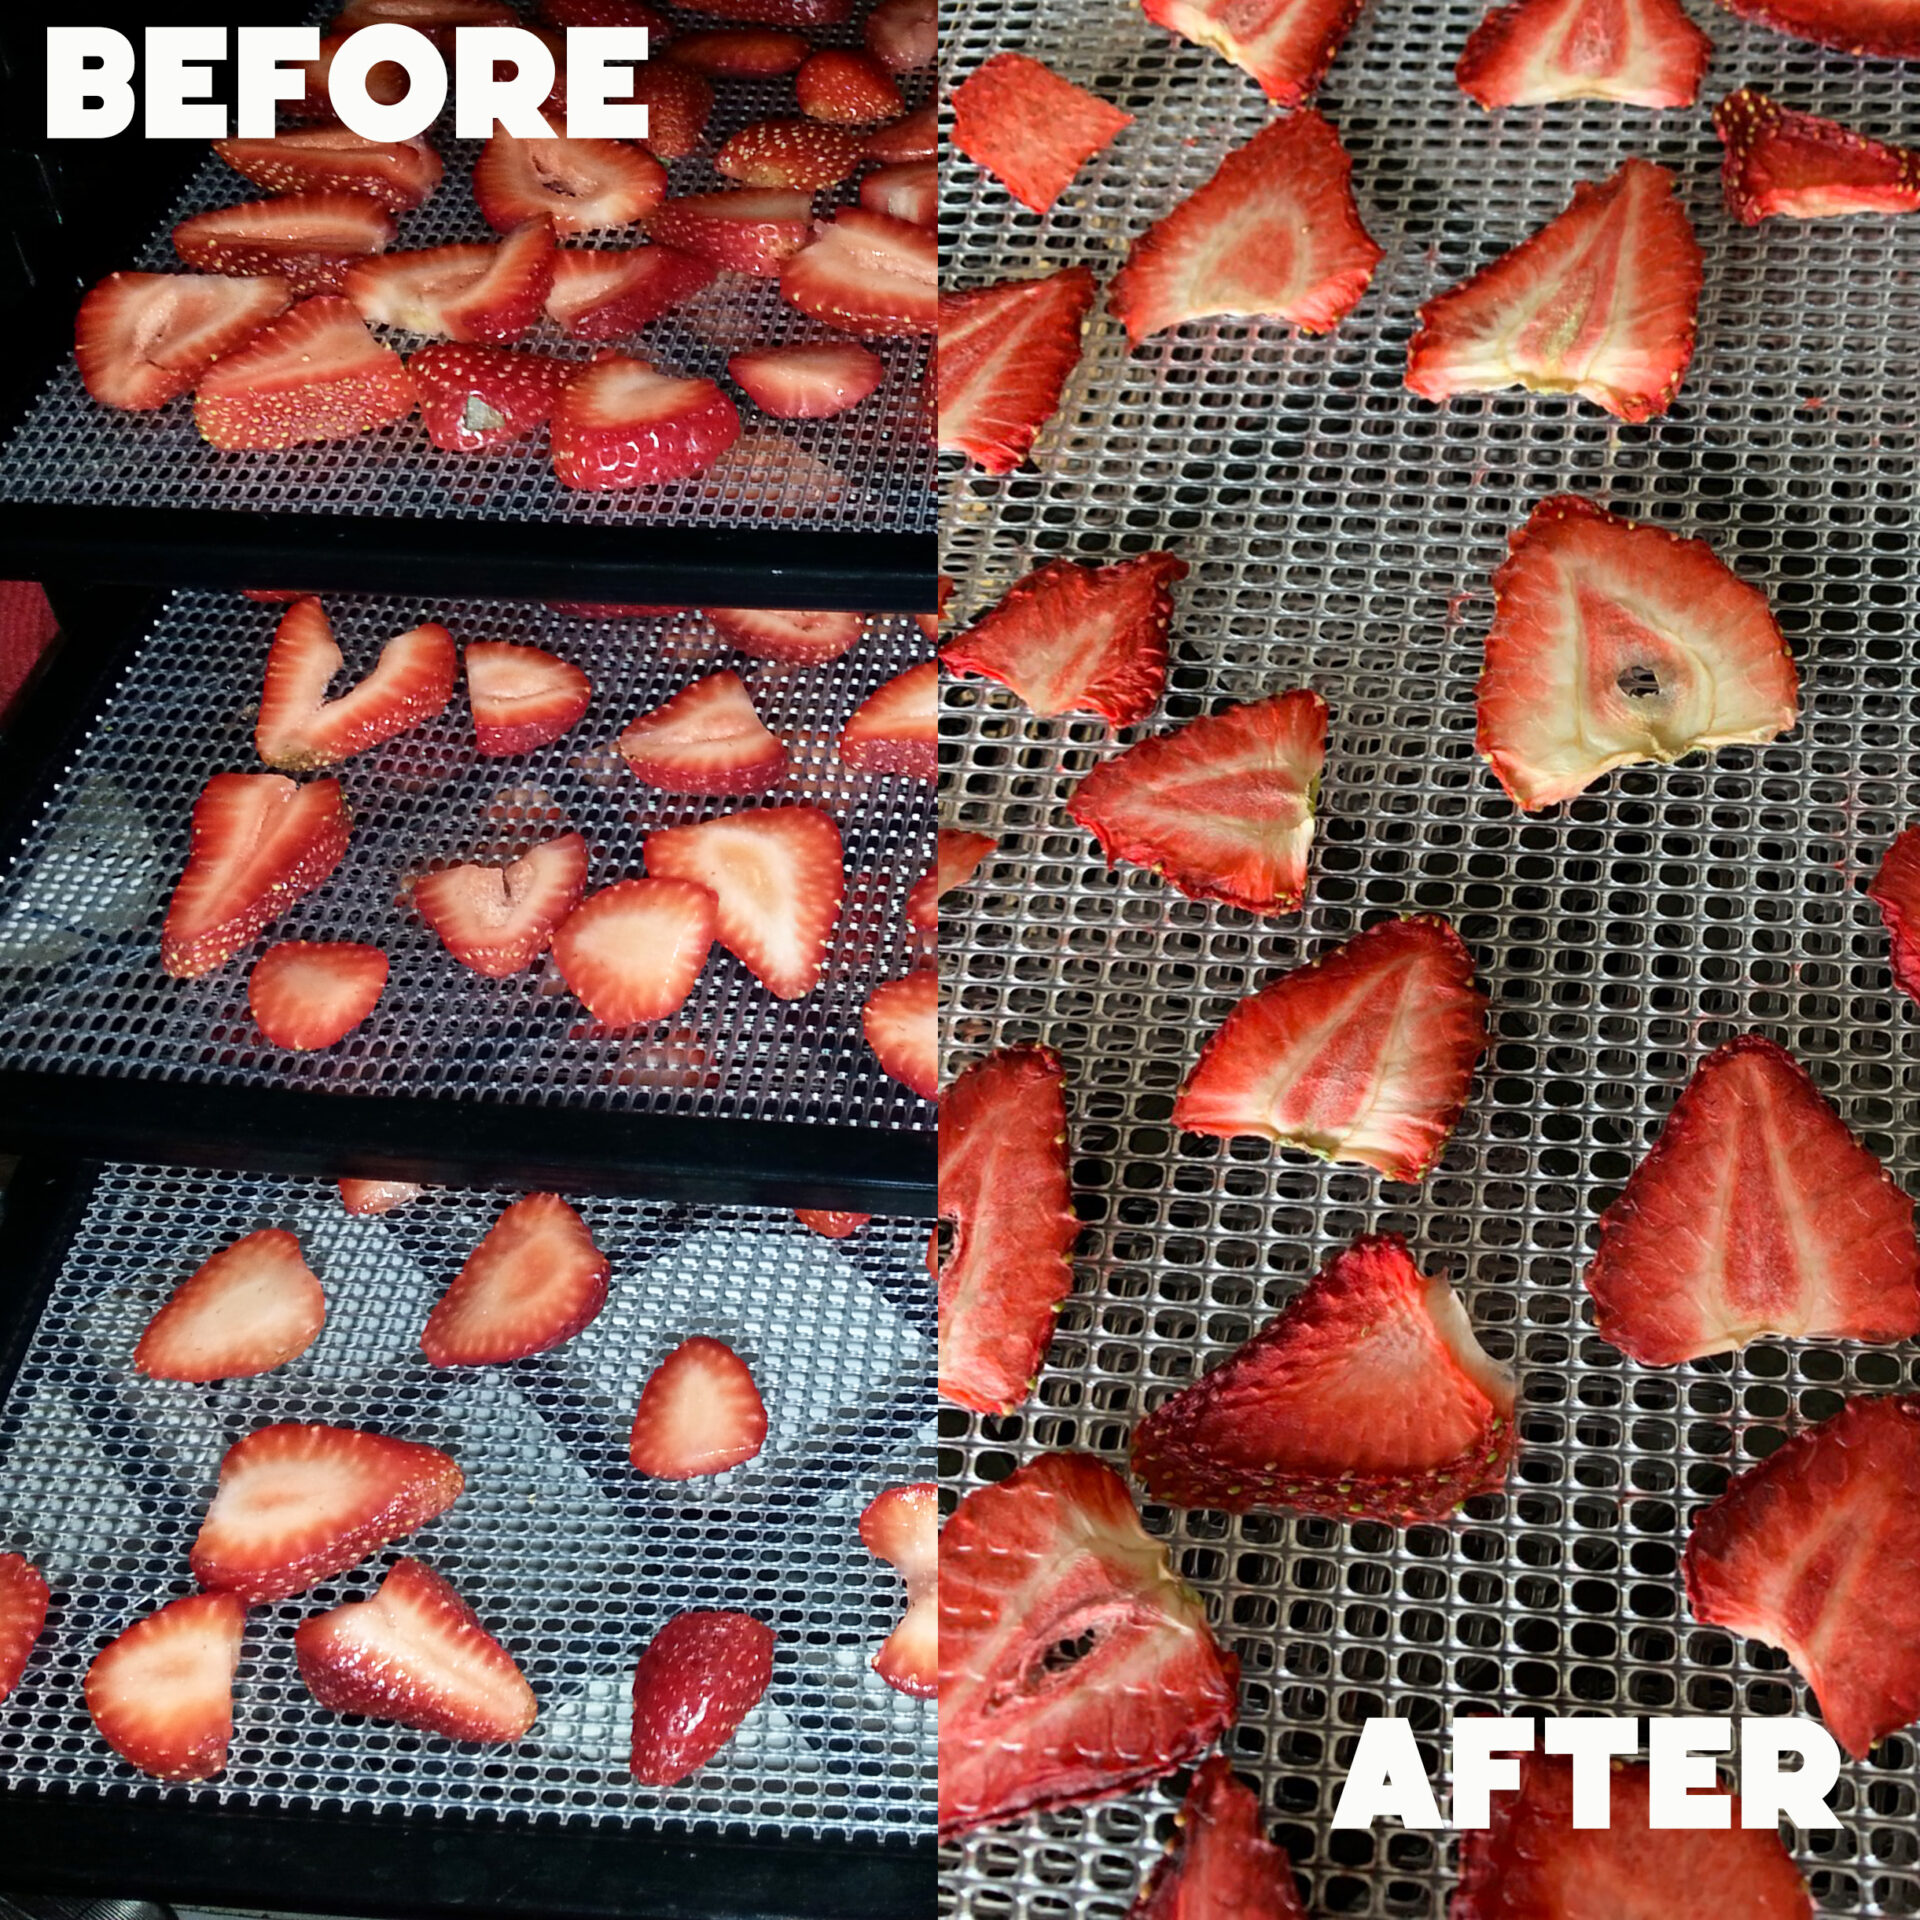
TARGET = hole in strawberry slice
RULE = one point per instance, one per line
(1639, 682)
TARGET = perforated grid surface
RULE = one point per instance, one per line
(568, 1555)
(1341, 535)
(81, 988)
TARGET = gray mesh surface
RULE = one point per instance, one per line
(566, 1553)
(1341, 535)
(81, 988)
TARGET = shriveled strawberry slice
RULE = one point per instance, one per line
(309, 240)
(790, 636)
(864, 273)
(1003, 357)
(534, 1282)
(1221, 1862)
(829, 1224)
(1030, 129)
(740, 53)
(1600, 302)
(903, 35)
(578, 185)
(1615, 644)
(914, 136)
(746, 230)
(399, 174)
(706, 739)
(371, 1197)
(162, 1692)
(699, 1413)
(895, 729)
(1072, 638)
(957, 859)
(415, 1653)
(1645, 53)
(1796, 166)
(633, 951)
(679, 103)
(606, 294)
(910, 191)
(23, 1616)
(498, 920)
(142, 339)
(699, 1678)
(811, 381)
(1886, 29)
(620, 422)
(806, 154)
(1074, 1663)
(1286, 45)
(308, 995)
(475, 398)
(902, 1023)
(250, 1308)
(1896, 892)
(846, 89)
(902, 1527)
(473, 291)
(522, 697)
(1004, 1184)
(1221, 808)
(1274, 234)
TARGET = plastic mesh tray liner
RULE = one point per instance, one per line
(870, 470)
(1341, 535)
(81, 988)
(567, 1554)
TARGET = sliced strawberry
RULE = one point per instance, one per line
(1221, 808)
(306, 996)
(579, 185)
(608, 294)
(399, 174)
(830, 1225)
(1884, 28)
(894, 729)
(1221, 1862)
(258, 842)
(475, 398)
(1274, 234)
(903, 35)
(747, 230)
(633, 951)
(1072, 638)
(142, 339)
(498, 920)
(1896, 892)
(1796, 166)
(679, 102)
(902, 1023)
(368, 1197)
(699, 1414)
(609, 13)
(472, 291)
(23, 1616)
(1030, 129)
(740, 53)
(162, 1693)
(1074, 1663)
(777, 875)
(535, 1281)
(864, 273)
(806, 154)
(387, 83)
(620, 422)
(783, 13)
(706, 739)
(424, 15)
(915, 136)
(901, 1526)
(1615, 644)
(522, 697)
(1003, 357)
(700, 1676)
(811, 381)
(910, 191)
(957, 860)
(308, 240)
(846, 89)
(1644, 53)
(1287, 45)
(250, 1308)
(790, 636)
(315, 373)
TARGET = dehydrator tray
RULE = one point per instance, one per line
(823, 1802)
(1341, 535)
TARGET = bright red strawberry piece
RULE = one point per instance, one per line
(368, 1197)
(23, 1615)
(902, 1023)
(1030, 129)
(846, 89)
(297, 1504)
(522, 697)
(679, 103)
(1287, 45)
(475, 398)
(1005, 1186)
(306, 995)
(399, 174)
(812, 381)
(620, 422)
(699, 1413)
(498, 920)
(1072, 638)
(473, 291)
(903, 35)
(142, 339)
(606, 294)
(1221, 808)
(1221, 1865)
(914, 136)
(783, 13)
(1600, 302)
(258, 842)
(864, 273)
(386, 83)
(706, 739)
(910, 191)
(1616, 644)
(746, 230)
(309, 240)
(829, 1224)
(534, 1282)
(1003, 356)
(700, 1676)
(579, 185)
(790, 636)
(901, 1526)
(805, 154)
(315, 373)
(1896, 892)
(162, 1693)
(1886, 29)
(956, 861)
(1054, 1558)
(250, 1308)
(609, 13)
(633, 951)
(893, 730)
(1644, 53)
(1274, 234)
(1796, 166)
(740, 53)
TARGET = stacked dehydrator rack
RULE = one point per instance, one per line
(159, 1128)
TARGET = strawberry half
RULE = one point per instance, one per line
(608, 293)
(1287, 45)
(498, 920)
(957, 859)
(257, 843)
(902, 1023)
(1003, 356)
(679, 103)
(399, 174)
(1796, 166)
(1030, 129)
(831, 1225)
(250, 1308)
(806, 154)
(309, 995)
(162, 1693)
(1643, 53)
(864, 273)
(747, 230)
(1600, 302)
(903, 35)
(699, 1414)
(706, 739)
(474, 291)
(522, 697)
(633, 951)
(1896, 892)
(1074, 638)
(620, 422)
(846, 89)
(915, 136)
(415, 1653)
(700, 1676)
(475, 398)
(894, 729)
(792, 637)
(902, 1527)
(1005, 1186)
(535, 1281)
(1221, 808)
(23, 1616)
(369, 1197)
(308, 240)
(776, 873)
(811, 381)
(910, 191)
(578, 185)
(1221, 1861)
(1074, 1663)
(1616, 644)
(142, 339)
(1275, 234)
(740, 53)
(1885, 28)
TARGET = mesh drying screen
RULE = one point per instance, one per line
(1341, 534)
(563, 1550)
(81, 988)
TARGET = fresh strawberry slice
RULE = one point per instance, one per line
(864, 273)
(1895, 890)
(475, 398)
(1221, 808)
(250, 1308)
(258, 842)
(903, 35)
(162, 1693)
(846, 88)
(1616, 644)
(297, 1504)
(910, 191)
(142, 339)
(1275, 234)
(369, 1197)
(1003, 357)
(1796, 166)
(894, 729)
(535, 1281)
(790, 636)
(806, 154)
(679, 102)
(1364, 1057)
(1221, 1862)
(498, 920)
(306, 996)
(633, 951)
(902, 1023)
(399, 174)
(1600, 302)
(699, 1414)
(811, 381)
(606, 294)
(609, 13)
(957, 859)
(1286, 45)
(747, 230)
(315, 373)
(1030, 129)
(829, 1224)
(1886, 29)
(901, 1526)
(23, 1615)
(424, 15)
(620, 422)
(309, 240)
(1643, 53)
(915, 136)
(415, 1653)
(1072, 638)
(740, 53)
(700, 1676)
(1074, 1663)
(387, 84)
(706, 739)
(474, 291)
(579, 185)
(1004, 1184)
(522, 697)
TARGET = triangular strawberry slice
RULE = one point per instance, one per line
(1073, 638)
(1004, 1183)
(250, 1308)
(531, 1284)
(894, 729)
(902, 1527)
(579, 185)
(1287, 45)
(1222, 808)
(1274, 234)
(470, 291)
(523, 698)
(700, 1413)
(1074, 1663)
(1643, 53)
(1003, 355)
(1600, 302)
(1031, 129)
(498, 920)
(957, 858)
(830, 1224)
(23, 1616)
(400, 174)
(1896, 892)
(811, 380)
(1221, 1865)
(162, 1693)
(633, 951)
(867, 273)
(793, 637)
(1365, 1056)
(1755, 1212)
(608, 293)
(707, 739)
(1796, 166)
(307, 995)
(309, 240)
(1885, 29)
(1616, 644)
(902, 1023)
(1366, 1397)
(369, 1197)
(142, 339)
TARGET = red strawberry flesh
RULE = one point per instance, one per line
(309, 995)
(162, 1693)
(531, 1284)
(23, 1616)
(1884, 28)
(698, 1679)
(621, 423)
(809, 381)
(522, 697)
(1003, 357)
(903, 35)
(1643, 53)
(901, 1021)
(476, 290)
(1286, 45)
(868, 274)
(309, 240)
(633, 951)
(1221, 1861)
(579, 185)
(476, 398)
(1895, 890)
(804, 154)
(706, 739)
(735, 53)
(1031, 129)
(498, 920)
(795, 638)
(1797, 166)
(894, 729)
(399, 174)
(901, 1526)
(700, 1413)
(909, 191)
(368, 1197)
(608, 293)
(831, 1225)
(748, 230)
(958, 857)
(845, 88)
(142, 339)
